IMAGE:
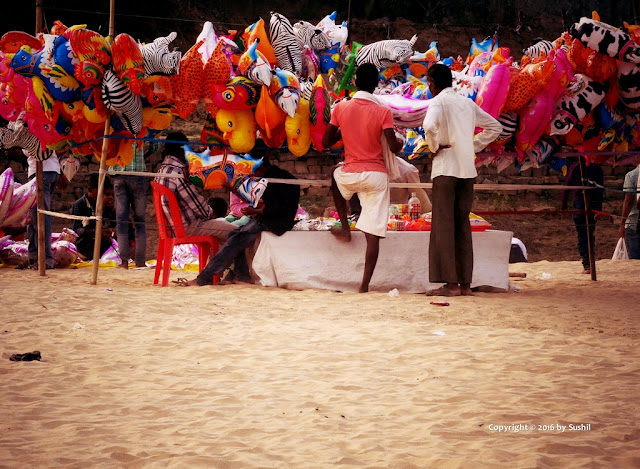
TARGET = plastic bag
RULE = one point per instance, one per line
(620, 253)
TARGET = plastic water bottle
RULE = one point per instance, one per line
(414, 206)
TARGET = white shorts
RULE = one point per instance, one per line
(372, 188)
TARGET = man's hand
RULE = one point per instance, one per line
(439, 149)
(249, 210)
(621, 230)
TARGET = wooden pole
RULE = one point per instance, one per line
(590, 226)
(42, 259)
(103, 166)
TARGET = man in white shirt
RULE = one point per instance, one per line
(50, 176)
(449, 127)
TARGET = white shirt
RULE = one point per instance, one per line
(51, 164)
(451, 120)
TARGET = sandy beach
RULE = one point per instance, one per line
(135, 375)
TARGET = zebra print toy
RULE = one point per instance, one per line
(509, 121)
(119, 98)
(383, 54)
(285, 44)
(157, 58)
(17, 134)
(537, 49)
(310, 36)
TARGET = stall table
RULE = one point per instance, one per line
(316, 259)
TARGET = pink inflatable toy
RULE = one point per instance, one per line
(6, 191)
(23, 198)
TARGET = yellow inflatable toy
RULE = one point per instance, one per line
(239, 129)
(298, 130)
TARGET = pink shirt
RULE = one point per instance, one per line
(361, 123)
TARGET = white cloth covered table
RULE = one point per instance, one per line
(316, 259)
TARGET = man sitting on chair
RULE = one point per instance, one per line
(198, 218)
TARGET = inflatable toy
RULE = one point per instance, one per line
(268, 115)
(526, 83)
(217, 72)
(127, 62)
(319, 112)
(297, 130)
(22, 200)
(239, 94)
(479, 47)
(59, 83)
(210, 131)
(70, 166)
(310, 64)
(239, 129)
(330, 59)
(285, 43)
(64, 253)
(208, 41)
(606, 39)
(579, 99)
(157, 58)
(12, 41)
(407, 113)
(629, 85)
(285, 90)
(540, 48)
(6, 192)
(535, 117)
(117, 97)
(93, 52)
(188, 85)
(465, 85)
(351, 66)
(257, 32)
(385, 53)
(251, 190)
(337, 34)
(213, 171)
(156, 91)
(494, 89)
(254, 65)
(64, 56)
(310, 36)
(156, 119)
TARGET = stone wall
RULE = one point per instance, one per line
(315, 166)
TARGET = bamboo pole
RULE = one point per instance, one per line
(103, 165)
(40, 220)
(590, 226)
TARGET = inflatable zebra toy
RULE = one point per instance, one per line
(540, 47)
(308, 35)
(383, 54)
(285, 44)
(119, 98)
(157, 58)
(17, 134)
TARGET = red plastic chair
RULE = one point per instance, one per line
(166, 242)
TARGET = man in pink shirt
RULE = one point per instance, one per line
(366, 128)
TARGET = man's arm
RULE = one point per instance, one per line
(193, 199)
(491, 128)
(626, 208)
(331, 136)
(395, 144)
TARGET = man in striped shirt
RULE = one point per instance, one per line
(196, 212)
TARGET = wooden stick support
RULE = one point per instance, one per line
(42, 255)
(103, 171)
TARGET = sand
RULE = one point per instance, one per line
(135, 375)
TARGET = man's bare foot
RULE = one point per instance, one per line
(124, 265)
(341, 233)
(586, 271)
(445, 291)
(466, 291)
(183, 282)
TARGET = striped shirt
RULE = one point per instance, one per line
(137, 163)
(193, 206)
